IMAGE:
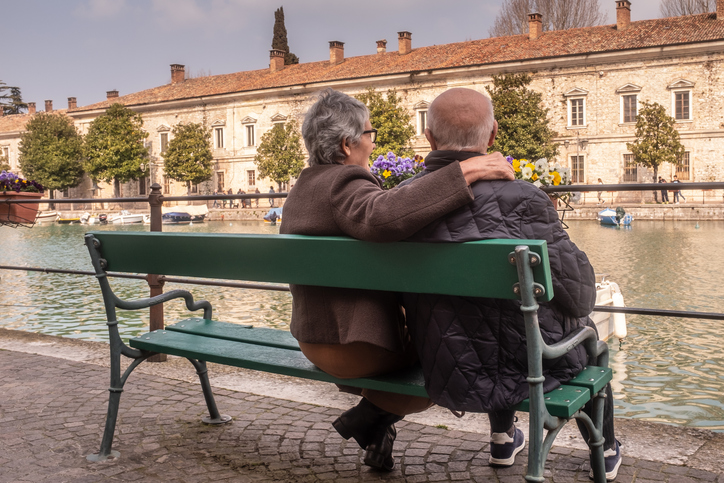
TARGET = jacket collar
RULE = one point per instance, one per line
(439, 159)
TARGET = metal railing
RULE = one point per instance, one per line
(156, 281)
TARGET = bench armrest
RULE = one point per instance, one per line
(163, 298)
(584, 335)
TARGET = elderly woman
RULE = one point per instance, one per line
(356, 333)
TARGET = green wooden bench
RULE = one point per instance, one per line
(507, 269)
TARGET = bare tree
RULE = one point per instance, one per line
(676, 8)
(557, 15)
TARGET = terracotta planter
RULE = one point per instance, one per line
(14, 213)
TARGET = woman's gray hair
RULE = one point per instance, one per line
(458, 138)
(332, 119)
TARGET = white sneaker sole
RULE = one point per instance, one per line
(508, 461)
(611, 475)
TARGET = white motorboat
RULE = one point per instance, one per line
(47, 217)
(125, 218)
(617, 217)
(88, 219)
(609, 324)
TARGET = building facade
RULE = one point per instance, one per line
(592, 79)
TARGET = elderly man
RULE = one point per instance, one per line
(473, 350)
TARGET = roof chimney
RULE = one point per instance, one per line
(535, 25)
(382, 45)
(336, 52)
(623, 14)
(177, 73)
(404, 42)
(48, 106)
(31, 108)
(720, 9)
(276, 60)
(111, 94)
(72, 104)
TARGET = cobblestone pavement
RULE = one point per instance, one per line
(52, 413)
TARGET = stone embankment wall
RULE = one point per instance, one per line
(688, 211)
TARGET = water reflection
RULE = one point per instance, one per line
(668, 369)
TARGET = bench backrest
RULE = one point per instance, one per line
(475, 269)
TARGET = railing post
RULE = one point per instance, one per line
(156, 282)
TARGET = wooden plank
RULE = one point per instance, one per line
(593, 378)
(269, 359)
(562, 402)
(475, 269)
(236, 332)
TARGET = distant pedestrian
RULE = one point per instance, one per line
(664, 193)
(231, 202)
(271, 200)
(216, 202)
(242, 201)
(600, 193)
(257, 200)
(677, 193)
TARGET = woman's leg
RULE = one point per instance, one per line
(359, 359)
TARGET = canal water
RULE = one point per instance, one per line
(668, 369)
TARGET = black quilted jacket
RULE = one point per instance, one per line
(473, 350)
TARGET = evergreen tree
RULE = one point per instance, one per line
(392, 121)
(279, 42)
(523, 130)
(4, 163)
(280, 156)
(51, 152)
(188, 157)
(657, 141)
(114, 147)
(11, 100)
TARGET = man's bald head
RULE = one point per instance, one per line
(461, 120)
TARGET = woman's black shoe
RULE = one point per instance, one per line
(372, 428)
(379, 451)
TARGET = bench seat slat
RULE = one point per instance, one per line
(236, 332)
(269, 359)
(562, 402)
(593, 378)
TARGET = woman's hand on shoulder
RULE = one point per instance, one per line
(488, 167)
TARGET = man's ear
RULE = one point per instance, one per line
(430, 139)
(493, 134)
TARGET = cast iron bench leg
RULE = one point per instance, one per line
(214, 417)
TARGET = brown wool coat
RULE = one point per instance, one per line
(340, 200)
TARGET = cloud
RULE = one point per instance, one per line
(96, 9)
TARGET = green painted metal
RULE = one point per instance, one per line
(593, 378)
(235, 332)
(562, 402)
(269, 359)
(491, 268)
(472, 269)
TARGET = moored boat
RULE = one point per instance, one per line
(67, 220)
(617, 217)
(176, 218)
(88, 219)
(47, 217)
(273, 216)
(125, 218)
(609, 324)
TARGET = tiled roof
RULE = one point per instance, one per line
(14, 122)
(641, 34)
(17, 122)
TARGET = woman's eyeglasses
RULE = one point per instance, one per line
(372, 133)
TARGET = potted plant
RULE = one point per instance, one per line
(540, 173)
(392, 170)
(12, 187)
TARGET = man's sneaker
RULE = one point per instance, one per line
(503, 448)
(612, 461)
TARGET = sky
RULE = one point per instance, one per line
(55, 49)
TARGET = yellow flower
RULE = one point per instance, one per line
(530, 165)
(516, 165)
(386, 173)
(534, 177)
(556, 178)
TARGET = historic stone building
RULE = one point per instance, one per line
(592, 80)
